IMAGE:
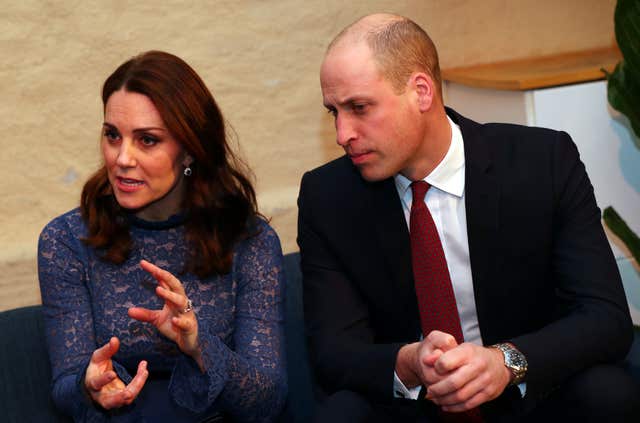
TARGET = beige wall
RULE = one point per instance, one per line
(259, 58)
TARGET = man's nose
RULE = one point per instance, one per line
(345, 131)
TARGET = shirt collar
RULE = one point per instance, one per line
(448, 176)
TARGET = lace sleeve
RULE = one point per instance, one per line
(248, 381)
(68, 317)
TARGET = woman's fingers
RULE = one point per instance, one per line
(95, 383)
(185, 325)
(103, 384)
(106, 351)
(162, 275)
(178, 301)
(143, 314)
(117, 399)
(175, 320)
(135, 386)
(117, 394)
(169, 288)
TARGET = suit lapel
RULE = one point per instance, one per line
(393, 237)
(482, 196)
(481, 204)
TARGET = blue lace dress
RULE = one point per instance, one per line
(240, 325)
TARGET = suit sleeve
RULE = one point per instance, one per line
(343, 345)
(593, 324)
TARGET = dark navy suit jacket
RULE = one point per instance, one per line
(544, 276)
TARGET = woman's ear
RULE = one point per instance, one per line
(188, 160)
(424, 87)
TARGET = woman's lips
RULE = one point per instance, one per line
(128, 184)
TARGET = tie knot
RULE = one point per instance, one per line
(420, 189)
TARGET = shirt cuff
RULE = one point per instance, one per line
(401, 391)
(523, 389)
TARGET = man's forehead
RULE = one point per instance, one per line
(349, 46)
(347, 61)
(344, 86)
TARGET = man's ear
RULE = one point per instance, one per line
(425, 90)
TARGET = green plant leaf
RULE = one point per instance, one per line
(623, 85)
(623, 92)
(627, 28)
(619, 227)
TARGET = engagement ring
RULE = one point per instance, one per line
(188, 308)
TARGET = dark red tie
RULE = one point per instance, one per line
(436, 300)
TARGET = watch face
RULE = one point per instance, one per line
(515, 360)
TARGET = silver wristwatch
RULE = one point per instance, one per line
(514, 360)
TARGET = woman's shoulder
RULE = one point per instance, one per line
(258, 258)
(67, 224)
(261, 238)
(262, 231)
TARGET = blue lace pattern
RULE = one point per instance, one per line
(240, 321)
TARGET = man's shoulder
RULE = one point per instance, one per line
(336, 184)
(512, 129)
(336, 175)
(340, 167)
(497, 132)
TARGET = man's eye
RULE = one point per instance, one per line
(359, 108)
(332, 112)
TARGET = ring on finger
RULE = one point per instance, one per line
(188, 307)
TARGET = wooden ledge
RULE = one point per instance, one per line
(538, 72)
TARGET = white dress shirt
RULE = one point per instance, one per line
(445, 201)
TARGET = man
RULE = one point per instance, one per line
(499, 301)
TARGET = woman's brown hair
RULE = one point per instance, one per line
(220, 202)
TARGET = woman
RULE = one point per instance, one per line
(163, 292)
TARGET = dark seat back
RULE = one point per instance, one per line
(25, 374)
(300, 401)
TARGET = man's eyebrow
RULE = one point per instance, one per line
(348, 100)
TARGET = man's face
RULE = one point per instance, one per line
(379, 130)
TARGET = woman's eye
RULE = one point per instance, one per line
(148, 140)
(110, 134)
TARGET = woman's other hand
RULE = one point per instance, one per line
(103, 384)
(176, 320)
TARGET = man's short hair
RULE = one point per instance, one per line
(400, 47)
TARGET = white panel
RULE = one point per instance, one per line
(605, 145)
(486, 105)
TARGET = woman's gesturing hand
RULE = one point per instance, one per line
(103, 384)
(176, 320)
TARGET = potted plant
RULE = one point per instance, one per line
(623, 92)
